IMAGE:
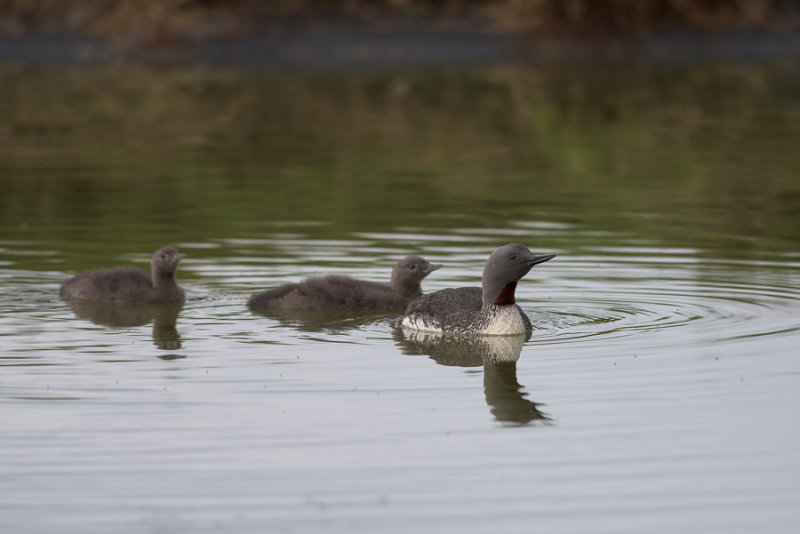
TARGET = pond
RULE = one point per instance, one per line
(658, 390)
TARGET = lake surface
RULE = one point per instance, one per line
(657, 394)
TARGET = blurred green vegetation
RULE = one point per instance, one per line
(143, 22)
(686, 156)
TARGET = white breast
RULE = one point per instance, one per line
(504, 321)
(494, 321)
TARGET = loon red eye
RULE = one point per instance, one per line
(513, 257)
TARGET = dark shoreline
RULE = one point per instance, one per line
(341, 50)
(343, 46)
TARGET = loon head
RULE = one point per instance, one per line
(504, 268)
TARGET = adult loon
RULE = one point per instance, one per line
(126, 284)
(342, 292)
(487, 310)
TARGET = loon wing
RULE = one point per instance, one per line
(439, 304)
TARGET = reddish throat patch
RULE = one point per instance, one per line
(506, 296)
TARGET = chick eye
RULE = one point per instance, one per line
(513, 257)
(413, 266)
(163, 256)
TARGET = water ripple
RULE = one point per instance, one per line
(675, 301)
(663, 297)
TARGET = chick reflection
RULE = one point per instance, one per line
(329, 321)
(497, 354)
(164, 317)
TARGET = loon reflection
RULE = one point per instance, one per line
(497, 354)
(164, 317)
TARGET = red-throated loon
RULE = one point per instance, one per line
(487, 310)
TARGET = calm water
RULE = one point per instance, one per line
(659, 390)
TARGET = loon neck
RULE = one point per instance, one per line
(505, 297)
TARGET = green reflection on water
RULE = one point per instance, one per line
(129, 157)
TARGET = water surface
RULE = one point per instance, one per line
(657, 392)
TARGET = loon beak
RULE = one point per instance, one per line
(179, 257)
(536, 260)
(434, 266)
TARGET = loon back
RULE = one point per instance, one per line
(330, 292)
(441, 303)
(461, 311)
